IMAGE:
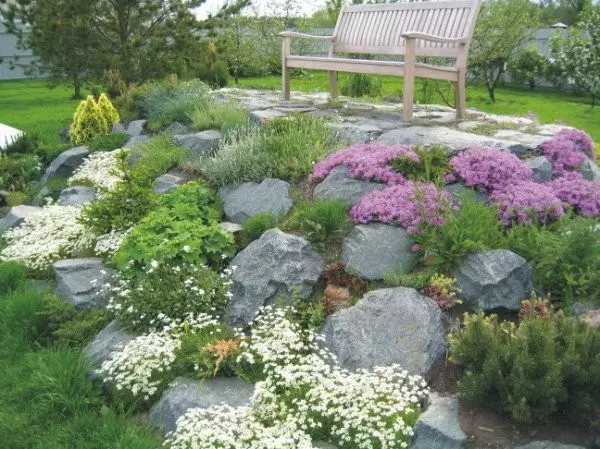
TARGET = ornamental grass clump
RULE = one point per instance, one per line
(528, 202)
(412, 205)
(489, 169)
(368, 161)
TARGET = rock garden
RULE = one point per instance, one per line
(246, 272)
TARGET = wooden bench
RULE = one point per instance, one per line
(425, 29)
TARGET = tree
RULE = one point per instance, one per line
(526, 65)
(577, 57)
(59, 33)
(503, 26)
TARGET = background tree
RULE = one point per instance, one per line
(526, 64)
(502, 27)
(577, 57)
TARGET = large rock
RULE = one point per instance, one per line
(65, 163)
(453, 139)
(339, 186)
(134, 140)
(184, 394)
(108, 340)
(541, 168)
(589, 170)
(79, 281)
(274, 266)
(456, 189)
(355, 133)
(529, 141)
(262, 116)
(387, 326)
(250, 198)
(167, 183)
(494, 279)
(77, 196)
(177, 128)
(438, 426)
(199, 144)
(548, 445)
(371, 250)
(136, 127)
(17, 215)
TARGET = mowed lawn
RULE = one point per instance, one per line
(548, 106)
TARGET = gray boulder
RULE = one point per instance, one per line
(200, 144)
(494, 279)
(250, 198)
(184, 394)
(589, 170)
(261, 116)
(541, 168)
(177, 128)
(339, 186)
(274, 266)
(136, 127)
(228, 226)
(134, 140)
(118, 128)
(355, 133)
(438, 427)
(65, 163)
(79, 281)
(387, 326)
(371, 250)
(17, 215)
(548, 445)
(77, 196)
(108, 340)
(453, 139)
(457, 189)
(529, 141)
(166, 183)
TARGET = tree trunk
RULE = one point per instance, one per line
(491, 93)
(531, 83)
(76, 88)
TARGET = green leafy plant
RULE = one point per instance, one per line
(108, 142)
(26, 143)
(220, 115)
(154, 157)
(528, 64)
(546, 366)
(432, 166)
(473, 227)
(255, 226)
(319, 220)
(17, 171)
(362, 85)
(12, 275)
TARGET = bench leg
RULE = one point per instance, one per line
(333, 79)
(285, 81)
(408, 97)
(460, 95)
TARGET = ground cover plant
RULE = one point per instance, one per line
(220, 115)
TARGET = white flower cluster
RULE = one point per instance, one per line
(141, 365)
(306, 392)
(100, 169)
(108, 244)
(47, 236)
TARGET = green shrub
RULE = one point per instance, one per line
(108, 142)
(92, 119)
(395, 278)
(320, 220)
(12, 275)
(143, 299)
(24, 144)
(362, 85)
(565, 257)
(432, 166)
(223, 116)
(544, 367)
(474, 226)
(182, 228)
(284, 149)
(155, 157)
(164, 103)
(215, 75)
(255, 226)
(17, 171)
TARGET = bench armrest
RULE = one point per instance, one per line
(306, 36)
(432, 38)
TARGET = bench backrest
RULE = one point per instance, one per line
(377, 28)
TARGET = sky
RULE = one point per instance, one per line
(262, 7)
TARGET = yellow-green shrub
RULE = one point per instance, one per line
(93, 119)
(108, 111)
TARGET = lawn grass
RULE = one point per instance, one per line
(548, 106)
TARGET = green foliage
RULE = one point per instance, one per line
(165, 103)
(544, 367)
(24, 144)
(565, 257)
(432, 166)
(155, 157)
(320, 220)
(396, 278)
(362, 85)
(284, 149)
(528, 64)
(223, 116)
(17, 171)
(16, 198)
(473, 227)
(107, 110)
(187, 217)
(255, 226)
(88, 122)
(12, 274)
(108, 142)
(308, 313)
(214, 71)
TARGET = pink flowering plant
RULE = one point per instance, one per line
(580, 193)
(567, 150)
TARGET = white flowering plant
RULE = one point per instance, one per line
(108, 244)
(139, 297)
(103, 170)
(51, 234)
